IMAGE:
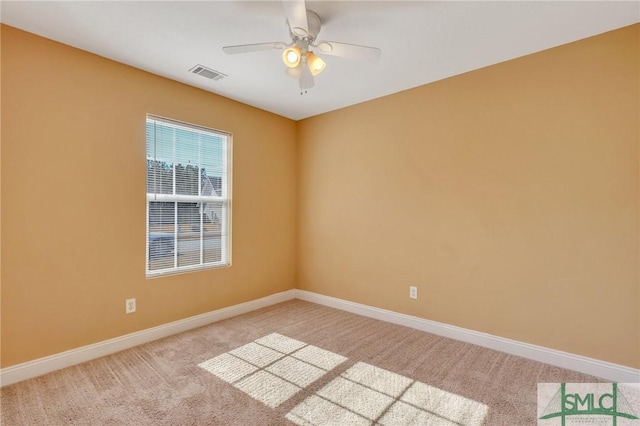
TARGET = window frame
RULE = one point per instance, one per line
(224, 199)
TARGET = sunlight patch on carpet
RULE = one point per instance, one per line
(295, 371)
(319, 357)
(256, 354)
(228, 367)
(281, 343)
(318, 411)
(273, 368)
(269, 389)
(366, 394)
(345, 394)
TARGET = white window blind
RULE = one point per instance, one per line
(188, 193)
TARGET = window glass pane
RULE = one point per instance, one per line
(159, 141)
(213, 232)
(187, 179)
(161, 240)
(159, 177)
(187, 162)
(210, 185)
(189, 234)
(159, 158)
(212, 155)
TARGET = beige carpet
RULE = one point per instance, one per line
(291, 363)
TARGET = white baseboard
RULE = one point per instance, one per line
(38, 367)
(594, 367)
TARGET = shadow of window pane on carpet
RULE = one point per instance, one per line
(274, 368)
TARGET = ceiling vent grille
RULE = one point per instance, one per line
(207, 72)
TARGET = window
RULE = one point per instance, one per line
(188, 193)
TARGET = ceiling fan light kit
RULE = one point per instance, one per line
(303, 64)
(291, 56)
(315, 63)
(294, 72)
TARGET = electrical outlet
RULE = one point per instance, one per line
(413, 292)
(130, 306)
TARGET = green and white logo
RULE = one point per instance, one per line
(588, 404)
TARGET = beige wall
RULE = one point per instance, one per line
(73, 200)
(508, 195)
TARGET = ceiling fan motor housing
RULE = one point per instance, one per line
(313, 29)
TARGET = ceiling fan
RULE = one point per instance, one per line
(301, 62)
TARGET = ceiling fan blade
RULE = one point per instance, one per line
(346, 50)
(306, 80)
(296, 12)
(244, 48)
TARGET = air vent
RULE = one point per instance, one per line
(207, 72)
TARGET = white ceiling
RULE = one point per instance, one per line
(421, 41)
